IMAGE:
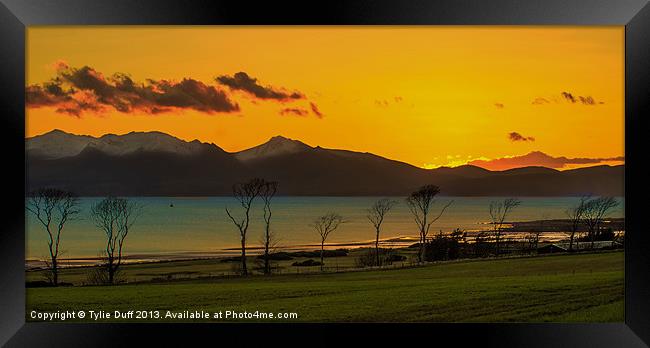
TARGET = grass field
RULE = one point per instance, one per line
(558, 288)
(174, 270)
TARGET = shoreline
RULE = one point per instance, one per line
(175, 256)
(550, 231)
(394, 242)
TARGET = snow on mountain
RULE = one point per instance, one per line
(59, 144)
(118, 145)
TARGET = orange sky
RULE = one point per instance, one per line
(429, 96)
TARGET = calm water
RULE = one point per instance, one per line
(201, 225)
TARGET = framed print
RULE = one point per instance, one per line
(298, 171)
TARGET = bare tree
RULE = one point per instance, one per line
(594, 211)
(376, 215)
(498, 212)
(420, 203)
(245, 194)
(325, 225)
(115, 217)
(575, 214)
(542, 223)
(53, 208)
(267, 192)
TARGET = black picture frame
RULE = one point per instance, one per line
(15, 15)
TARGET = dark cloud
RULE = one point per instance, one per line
(588, 100)
(514, 136)
(540, 100)
(192, 94)
(88, 90)
(301, 111)
(69, 101)
(40, 96)
(294, 111)
(242, 82)
(384, 103)
(381, 103)
(499, 105)
(537, 158)
(315, 110)
(569, 98)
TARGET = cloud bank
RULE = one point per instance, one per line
(242, 82)
(294, 111)
(77, 90)
(568, 97)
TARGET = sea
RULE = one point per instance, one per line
(195, 227)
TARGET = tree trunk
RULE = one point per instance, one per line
(322, 247)
(267, 242)
(55, 272)
(377, 248)
(593, 238)
(244, 270)
(111, 272)
(571, 241)
(421, 248)
(267, 265)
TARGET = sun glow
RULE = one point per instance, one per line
(428, 96)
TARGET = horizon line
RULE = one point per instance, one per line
(424, 166)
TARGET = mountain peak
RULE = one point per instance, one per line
(280, 138)
(277, 145)
(56, 131)
(59, 144)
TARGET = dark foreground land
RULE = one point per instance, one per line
(558, 288)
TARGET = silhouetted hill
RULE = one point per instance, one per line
(277, 146)
(467, 171)
(154, 163)
(141, 173)
(528, 170)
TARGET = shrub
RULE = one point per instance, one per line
(443, 247)
(367, 259)
(386, 257)
(605, 234)
(306, 263)
(99, 276)
(37, 284)
(395, 258)
(279, 256)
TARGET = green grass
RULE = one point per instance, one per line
(561, 288)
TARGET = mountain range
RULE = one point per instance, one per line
(158, 164)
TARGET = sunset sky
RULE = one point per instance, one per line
(428, 96)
